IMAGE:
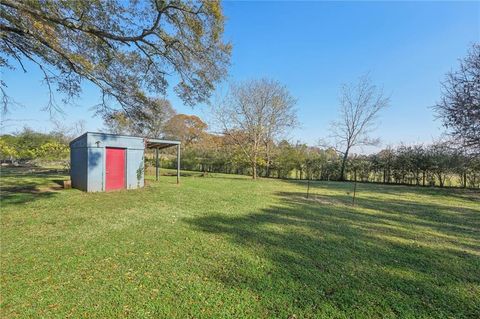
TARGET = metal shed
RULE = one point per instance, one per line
(103, 162)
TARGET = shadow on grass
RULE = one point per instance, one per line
(452, 220)
(377, 259)
(22, 194)
(394, 189)
(20, 185)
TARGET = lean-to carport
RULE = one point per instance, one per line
(160, 144)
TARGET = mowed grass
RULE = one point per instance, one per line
(228, 247)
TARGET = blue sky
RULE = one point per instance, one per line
(314, 47)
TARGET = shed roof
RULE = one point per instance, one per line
(149, 142)
(104, 135)
(157, 143)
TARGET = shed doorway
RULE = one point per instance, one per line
(115, 169)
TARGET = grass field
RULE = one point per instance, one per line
(229, 247)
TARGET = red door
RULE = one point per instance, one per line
(115, 169)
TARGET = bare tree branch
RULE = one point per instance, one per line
(360, 105)
(254, 114)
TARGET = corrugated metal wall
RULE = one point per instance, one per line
(78, 167)
(96, 169)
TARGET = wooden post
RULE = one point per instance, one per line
(178, 163)
(156, 164)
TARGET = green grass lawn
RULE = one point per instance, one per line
(229, 247)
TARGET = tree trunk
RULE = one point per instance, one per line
(440, 179)
(254, 170)
(344, 161)
(267, 173)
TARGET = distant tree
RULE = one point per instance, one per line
(254, 113)
(148, 121)
(285, 159)
(209, 152)
(52, 151)
(189, 129)
(460, 104)
(461, 162)
(67, 132)
(386, 158)
(29, 145)
(301, 159)
(425, 164)
(151, 120)
(402, 163)
(312, 162)
(375, 166)
(473, 176)
(126, 48)
(323, 162)
(442, 159)
(280, 116)
(27, 142)
(117, 123)
(363, 167)
(237, 146)
(360, 105)
(417, 159)
(7, 149)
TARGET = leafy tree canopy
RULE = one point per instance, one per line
(460, 104)
(186, 128)
(147, 121)
(28, 145)
(129, 49)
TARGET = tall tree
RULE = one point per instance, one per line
(128, 49)
(186, 128)
(148, 121)
(459, 106)
(255, 112)
(360, 104)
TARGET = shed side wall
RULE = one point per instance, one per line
(78, 168)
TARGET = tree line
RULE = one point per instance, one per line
(29, 146)
(437, 164)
